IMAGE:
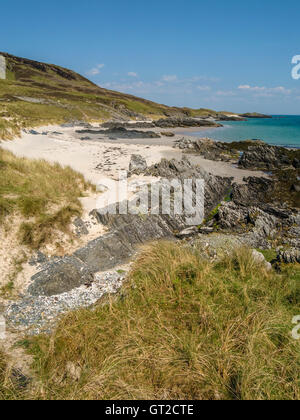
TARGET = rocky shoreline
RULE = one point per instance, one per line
(259, 213)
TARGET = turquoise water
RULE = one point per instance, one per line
(283, 130)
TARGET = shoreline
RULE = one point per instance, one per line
(228, 126)
(99, 158)
(103, 247)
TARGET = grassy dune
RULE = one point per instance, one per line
(182, 328)
(44, 195)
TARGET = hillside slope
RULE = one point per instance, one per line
(36, 94)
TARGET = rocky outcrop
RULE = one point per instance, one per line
(137, 165)
(78, 280)
(125, 233)
(185, 122)
(121, 133)
(255, 191)
(60, 276)
(265, 157)
(255, 214)
(255, 115)
(208, 148)
(129, 125)
(216, 188)
(256, 226)
(290, 256)
(169, 122)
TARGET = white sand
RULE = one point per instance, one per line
(100, 162)
(101, 159)
(85, 156)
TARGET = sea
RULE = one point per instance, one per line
(280, 130)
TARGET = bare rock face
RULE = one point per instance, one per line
(209, 149)
(265, 157)
(258, 216)
(290, 256)
(60, 276)
(256, 190)
(216, 187)
(137, 165)
(254, 224)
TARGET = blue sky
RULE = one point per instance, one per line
(231, 55)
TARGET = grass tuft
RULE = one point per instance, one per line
(46, 196)
(182, 328)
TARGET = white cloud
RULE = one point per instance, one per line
(204, 88)
(188, 87)
(244, 87)
(95, 70)
(265, 91)
(225, 93)
(132, 74)
(169, 78)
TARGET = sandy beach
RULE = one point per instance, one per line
(101, 157)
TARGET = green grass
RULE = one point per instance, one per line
(269, 254)
(45, 196)
(182, 328)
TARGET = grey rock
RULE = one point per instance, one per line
(185, 122)
(186, 233)
(255, 191)
(216, 188)
(38, 258)
(266, 157)
(260, 259)
(209, 149)
(80, 227)
(289, 256)
(121, 133)
(60, 276)
(137, 164)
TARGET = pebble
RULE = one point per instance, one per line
(36, 315)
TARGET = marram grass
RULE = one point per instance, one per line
(45, 196)
(182, 328)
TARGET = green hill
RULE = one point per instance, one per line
(36, 94)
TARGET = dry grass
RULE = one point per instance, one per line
(44, 195)
(8, 390)
(183, 328)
